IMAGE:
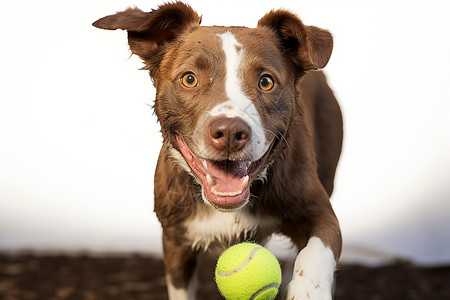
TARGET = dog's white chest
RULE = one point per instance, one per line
(225, 228)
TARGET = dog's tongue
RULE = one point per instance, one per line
(227, 182)
(227, 176)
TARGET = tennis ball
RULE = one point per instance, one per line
(248, 271)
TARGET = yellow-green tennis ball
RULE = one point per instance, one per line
(248, 271)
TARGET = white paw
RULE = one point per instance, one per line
(313, 274)
(303, 288)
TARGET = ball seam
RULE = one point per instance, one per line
(242, 266)
(273, 285)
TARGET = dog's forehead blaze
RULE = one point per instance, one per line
(202, 49)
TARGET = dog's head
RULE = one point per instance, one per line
(225, 95)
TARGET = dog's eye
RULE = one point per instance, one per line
(266, 83)
(189, 80)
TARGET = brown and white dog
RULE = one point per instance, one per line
(251, 139)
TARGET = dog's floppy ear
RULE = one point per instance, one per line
(310, 47)
(149, 32)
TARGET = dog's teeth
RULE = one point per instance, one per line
(205, 165)
(245, 181)
(226, 194)
(209, 179)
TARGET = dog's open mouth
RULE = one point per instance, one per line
(226, 184)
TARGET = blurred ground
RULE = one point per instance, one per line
(84, 277)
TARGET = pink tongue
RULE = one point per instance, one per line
(227, 176)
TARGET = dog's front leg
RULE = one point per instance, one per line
(314, 267)
(180, 264)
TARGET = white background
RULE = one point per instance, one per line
(78, 141)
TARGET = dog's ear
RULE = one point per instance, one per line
(310, 47)
(149, 32)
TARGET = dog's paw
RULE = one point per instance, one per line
(303, 288)
(313, 274)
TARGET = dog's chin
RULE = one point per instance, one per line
(225, 184)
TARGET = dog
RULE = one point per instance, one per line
(252, 136)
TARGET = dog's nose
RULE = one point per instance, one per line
(230, 134)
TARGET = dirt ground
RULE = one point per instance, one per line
(139, 277)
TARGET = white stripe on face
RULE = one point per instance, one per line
(238, 104)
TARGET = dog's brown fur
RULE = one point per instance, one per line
(304, 113)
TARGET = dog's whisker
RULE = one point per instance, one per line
(285, 141)
(271, 133)
(255, 196)
(279, 136)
